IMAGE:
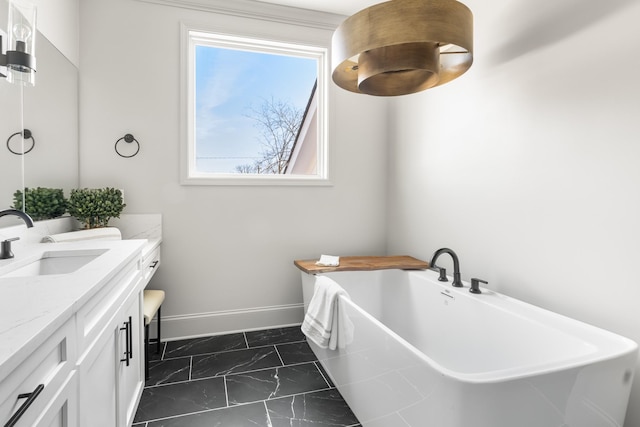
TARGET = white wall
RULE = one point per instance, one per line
(58, 20)
(528, 165)
(227, 253)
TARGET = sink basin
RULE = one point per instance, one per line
(57, 262)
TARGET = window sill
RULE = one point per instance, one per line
(261, 180)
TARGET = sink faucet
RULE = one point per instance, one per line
(456, 265)
(5, 245)
(25, 217)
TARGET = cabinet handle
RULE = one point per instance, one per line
(31, 397)
(130, 352)
(154, 264)
(127, 350)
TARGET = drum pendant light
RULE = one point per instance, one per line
(403, 46)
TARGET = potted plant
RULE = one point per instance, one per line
(94, 207)
(41, 203)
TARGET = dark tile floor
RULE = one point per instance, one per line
(268, 378)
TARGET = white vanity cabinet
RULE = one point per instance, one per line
(111, 362)
(75, 337)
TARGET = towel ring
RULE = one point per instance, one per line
(27, 135)
(128, 138)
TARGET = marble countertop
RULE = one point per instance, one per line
(150, 246)
(31, 308)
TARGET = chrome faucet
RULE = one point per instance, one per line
(457, 282)
(5, 245)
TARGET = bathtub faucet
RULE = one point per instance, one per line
(456, 265)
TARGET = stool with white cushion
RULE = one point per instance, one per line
(153, 300)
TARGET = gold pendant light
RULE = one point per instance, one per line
(403, 46)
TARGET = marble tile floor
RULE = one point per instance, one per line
(267, 378)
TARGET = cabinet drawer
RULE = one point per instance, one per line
(49, 365)
(98, 311)
(150, 265)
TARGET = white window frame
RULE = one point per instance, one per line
(191, 36)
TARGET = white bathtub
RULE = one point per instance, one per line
(427, 354)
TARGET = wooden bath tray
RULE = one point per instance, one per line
(364, 263)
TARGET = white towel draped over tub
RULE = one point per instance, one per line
(325, 323)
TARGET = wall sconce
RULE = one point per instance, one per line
(20, 57)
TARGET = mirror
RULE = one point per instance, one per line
(50, 111)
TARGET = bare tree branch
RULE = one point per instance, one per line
(278, 122)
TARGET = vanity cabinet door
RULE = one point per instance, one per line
(131, 364)
(97, 376)
(112, 372)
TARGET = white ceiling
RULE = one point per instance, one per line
(341, 7)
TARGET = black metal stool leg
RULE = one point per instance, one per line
(146, 351)
(158, 342)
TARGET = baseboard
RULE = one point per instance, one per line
(229, 321)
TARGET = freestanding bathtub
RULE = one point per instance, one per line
(426, 354)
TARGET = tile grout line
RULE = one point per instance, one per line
(236, 405)
(316, 362)
(246, 341)
(241, 373)
(279, 356)
(187, 352)
(203, 411)
(285, 396)
(266, 408)
(226, 392)
(229, 351)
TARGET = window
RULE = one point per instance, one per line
(255, 111)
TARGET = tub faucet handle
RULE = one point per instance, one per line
(443, 274)
(475, 286)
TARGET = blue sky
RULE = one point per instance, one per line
(229, 83)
